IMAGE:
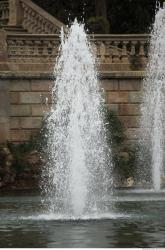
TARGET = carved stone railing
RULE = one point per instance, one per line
(38, 21)
(119, 51)
(30, 16)
(121, 48)
(4, 12)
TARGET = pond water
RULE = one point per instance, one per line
(138, 220)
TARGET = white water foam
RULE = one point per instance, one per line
(78, 172)
(152, 141)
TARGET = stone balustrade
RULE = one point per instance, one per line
(4, 12)
(32, 48)
(128, 51)
(38, 21)
(121, 48)
(29, 15)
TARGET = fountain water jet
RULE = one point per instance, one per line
(77, 176)
(153, 107)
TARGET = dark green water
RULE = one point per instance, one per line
(138, 221)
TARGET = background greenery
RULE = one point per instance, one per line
(124, 16)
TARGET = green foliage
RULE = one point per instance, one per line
(124, 158)
(98, 25)
(36, 142)
(115, 129)
(124, 16)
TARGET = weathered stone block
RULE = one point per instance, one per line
(20, 110)
(31, 122)
(130, 84)
(113, 107)
(135, 97)
(41, 85)
(130, 121)
(19, 85)
(117, 97)
(30, 97)
(132, 133)
(35, 97)
(4, 132)
(46, 98)
(39, 110)
(14, 123)
(14, 98)
(129, 109)
(109, 84)
(20, 135)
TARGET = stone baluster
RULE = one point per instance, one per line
(6, 13)
(98, 52)
(36, 48)
(25, 15)
(15, 13)
(28, 22)
(116, 55)
(40, 27)
(142, 51)
(45, 48)
(102, 52)
(30, 48)
(108, 54)
(3, 46)
(19, 47)
(133, 48)
(32, 21)
(124, 55)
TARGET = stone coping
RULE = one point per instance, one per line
(48, 75)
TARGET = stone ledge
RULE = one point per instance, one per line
(50, 76)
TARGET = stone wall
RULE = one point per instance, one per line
(29, 97)
(29, 44)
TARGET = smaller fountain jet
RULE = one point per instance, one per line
(153, 106)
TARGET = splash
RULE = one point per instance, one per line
(78, 173)
(153, 107)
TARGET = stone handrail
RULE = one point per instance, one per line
(29, 15)
(36, 20)
(110, 49)
(121, 48)
(4, 12)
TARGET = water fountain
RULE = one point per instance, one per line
(77, 176)
(153, 107)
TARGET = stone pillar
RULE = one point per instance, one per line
(4, 111)
(3, 46)
(15, 12)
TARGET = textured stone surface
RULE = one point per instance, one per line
(110, 84)
(20, 135)
(30, 122)
(30, 97)
(117, 97)
(14, 122)
(39, 110)
(135, 97)
(4, 111)
(19, 85)
(14, 98)
(130, 84)
(20, 110)
(34, 97)
(130, 121)
(41, 85)
(113, 107)
(129, 109)
(132, 133)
